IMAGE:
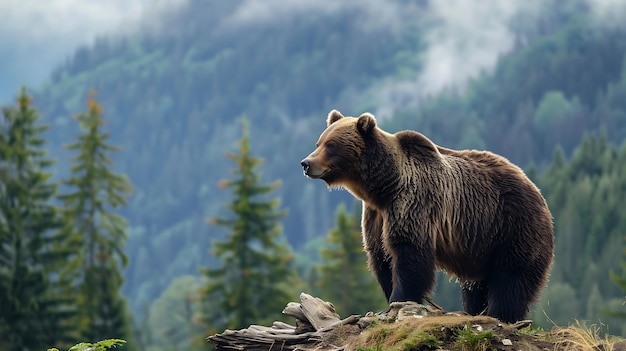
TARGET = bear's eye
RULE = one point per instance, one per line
(330, 145)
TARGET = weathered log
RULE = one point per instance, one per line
(316, 319)
(263, 338)
(294, 309)
(318, 312)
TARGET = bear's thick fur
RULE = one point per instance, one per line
(471, 213)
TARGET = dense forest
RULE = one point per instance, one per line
(173, 99)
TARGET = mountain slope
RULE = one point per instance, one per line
(174, 93)
(173, 97)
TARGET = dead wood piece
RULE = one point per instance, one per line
(281, 325)
(314, 318)
(294, 310)
(432, 303)
(349, 320)
(318, 312)
(262, 338)
(303, 327)
(270, 330)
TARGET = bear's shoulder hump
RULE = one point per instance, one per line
(415, 142)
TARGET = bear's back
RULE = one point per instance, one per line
(498, 198)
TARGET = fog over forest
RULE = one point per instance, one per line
(466, 37)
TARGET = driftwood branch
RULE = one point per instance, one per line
(312, 310)
(315, 318)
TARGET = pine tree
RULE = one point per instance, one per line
(344, 278)
(585, 195)
(251, 285)
(620, 281)
(33, 308)
(97, 233)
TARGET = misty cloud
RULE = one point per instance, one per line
(38, 35)
(73, 21)
(608, 12)
(465, 39)
(468, 39)
(377, 14)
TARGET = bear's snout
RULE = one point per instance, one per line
(312, 168)
(306, 165)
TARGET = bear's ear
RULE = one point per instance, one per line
(366, 123)
(333, 116)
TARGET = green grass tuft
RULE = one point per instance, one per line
(469, 340)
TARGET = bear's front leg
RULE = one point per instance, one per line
(378, 261)
(413, 270)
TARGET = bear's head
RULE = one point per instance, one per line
(337, 158)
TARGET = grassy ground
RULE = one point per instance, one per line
(468, 333)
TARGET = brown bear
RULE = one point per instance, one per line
(471, 213)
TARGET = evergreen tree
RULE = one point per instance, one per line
(252, 283)
(343, 277)
(172, 318)
(585, 195)
(620, 281)
(33, 309)
(97, 235)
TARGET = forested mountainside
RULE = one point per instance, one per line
(173, 99)
(174, 94)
